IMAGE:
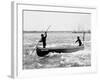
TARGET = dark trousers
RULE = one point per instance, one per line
(80, 44)
(44, 45)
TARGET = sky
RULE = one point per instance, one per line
(39, 21)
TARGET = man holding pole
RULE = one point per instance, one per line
(44, 36)
(43, 39)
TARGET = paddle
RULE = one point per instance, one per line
(83, 37)
(34, 48)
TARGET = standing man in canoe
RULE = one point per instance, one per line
(79, 41)
(43, 39)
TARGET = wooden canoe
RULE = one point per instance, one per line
(66, 49)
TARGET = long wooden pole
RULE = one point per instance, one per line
(83, 37)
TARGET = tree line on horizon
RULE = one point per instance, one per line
(88, 31)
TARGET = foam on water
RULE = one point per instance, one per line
(74, 59)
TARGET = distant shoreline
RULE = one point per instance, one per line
(57, 31)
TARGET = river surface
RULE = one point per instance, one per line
(80, 58)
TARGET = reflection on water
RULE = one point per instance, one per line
(75, 59)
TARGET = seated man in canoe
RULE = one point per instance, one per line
(79, 41)
(43, 39)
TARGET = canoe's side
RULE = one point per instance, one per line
(42, 51)
(70, 50)
(66, 50)
(45, 51)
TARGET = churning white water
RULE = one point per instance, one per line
(55, 60)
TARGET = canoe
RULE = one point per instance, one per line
(63, 49)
